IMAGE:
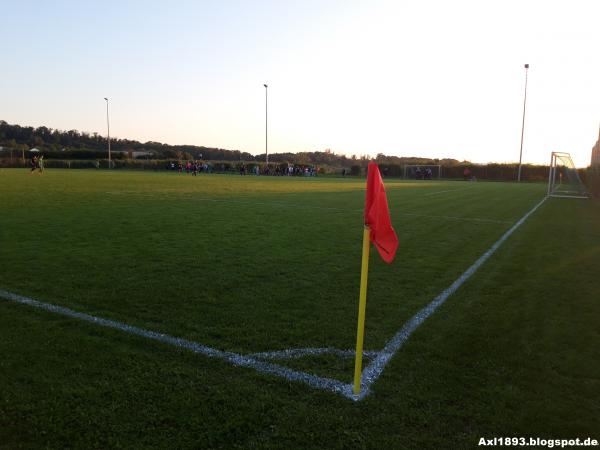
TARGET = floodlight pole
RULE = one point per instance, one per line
(523, 123)
(266, 126)
(108, 131)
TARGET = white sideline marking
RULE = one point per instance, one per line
(369, 376)
(443, 192)
(233, 358)
(471, 219)
(373, 371)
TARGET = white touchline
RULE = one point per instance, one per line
(468, 219)
(371, 373)
(443, 192)
(234, 358)
(375, 368)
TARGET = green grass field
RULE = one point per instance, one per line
(257, 264)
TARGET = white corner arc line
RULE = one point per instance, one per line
(374, 370)
(296, 353)
(235, 359)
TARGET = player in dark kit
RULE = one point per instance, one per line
(33, 164)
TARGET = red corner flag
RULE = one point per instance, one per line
(377, 216)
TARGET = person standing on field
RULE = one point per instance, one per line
(41, 164)
(33, 164)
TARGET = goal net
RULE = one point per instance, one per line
(422, 172)
(564, 180)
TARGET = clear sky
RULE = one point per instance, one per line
(407, 78)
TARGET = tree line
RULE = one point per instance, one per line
(73, 144)
(84, 145)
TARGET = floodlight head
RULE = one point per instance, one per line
(527, 66)
(265, 85)
(105, 99)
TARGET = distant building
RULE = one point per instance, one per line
(596, 152)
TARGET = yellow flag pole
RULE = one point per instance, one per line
(362, 306)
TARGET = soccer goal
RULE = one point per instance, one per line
(422, 172)
(564, 180)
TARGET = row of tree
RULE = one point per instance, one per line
(73, 144)
(82, 145)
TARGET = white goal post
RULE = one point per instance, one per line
(563, 180)
(423, 171)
